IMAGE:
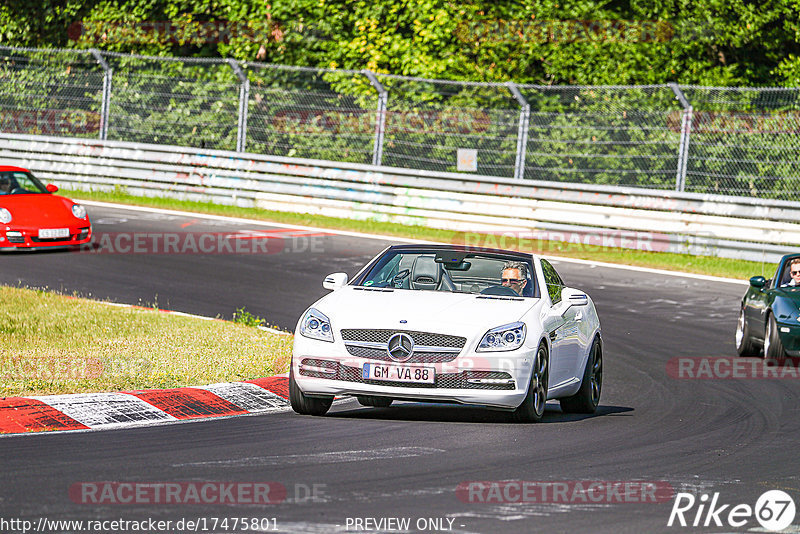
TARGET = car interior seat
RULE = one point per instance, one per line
(427, 274)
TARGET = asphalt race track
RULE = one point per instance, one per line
(735, 437)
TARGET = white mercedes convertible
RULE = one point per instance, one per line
(439, 323)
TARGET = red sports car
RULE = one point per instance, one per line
(32, 217)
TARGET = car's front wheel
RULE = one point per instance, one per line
(532, 408)
(773, 347)
(303, 404)
(588, 396)
(374, 402)
(745, 345)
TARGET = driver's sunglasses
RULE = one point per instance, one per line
(794, 272)
(511, 280)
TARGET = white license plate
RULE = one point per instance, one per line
(53, 233)
(398, 373)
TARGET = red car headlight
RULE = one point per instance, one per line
(79, 211)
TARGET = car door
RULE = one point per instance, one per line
(563, 330)
(757, 302)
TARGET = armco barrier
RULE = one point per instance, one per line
(754, 229)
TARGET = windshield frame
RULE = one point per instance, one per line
(391, 255)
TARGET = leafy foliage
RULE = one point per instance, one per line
(716, 42)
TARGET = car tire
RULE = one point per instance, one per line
(773, 346)
(745, 345)
(588, 396)
(303, 404)
(532, 408)
(374, 402)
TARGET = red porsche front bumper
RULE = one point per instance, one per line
(18, 238)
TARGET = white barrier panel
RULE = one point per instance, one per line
(759, 230)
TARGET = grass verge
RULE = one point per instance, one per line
(708, 265)
(52, 343)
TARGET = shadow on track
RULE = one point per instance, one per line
(458, 413)
(66, 249)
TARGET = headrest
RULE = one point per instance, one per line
(425, 273)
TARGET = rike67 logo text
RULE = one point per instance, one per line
(774, 510)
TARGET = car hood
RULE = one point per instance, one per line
(440, 311)
(39, 210)
(789, 293)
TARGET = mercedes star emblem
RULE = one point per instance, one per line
(400, 347)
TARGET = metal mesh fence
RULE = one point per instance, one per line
(311, 113)
(744, 142)
(50, 92)
(603, 135)
(186, 103)
(427, 121)
(732, 141)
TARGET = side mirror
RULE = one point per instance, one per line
(51, 188)
(575, 297)
(570, 297)
(335, 281)
(758, 282)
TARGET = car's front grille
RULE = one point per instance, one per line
(417, 357)
(307, 365)
(420, 338)
(428, 347)
(15, 239)
(52, 240)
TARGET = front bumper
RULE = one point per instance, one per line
(23, 238)
(498, 380)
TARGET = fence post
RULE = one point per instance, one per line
(522, 131)
(380, 123)
(105, 104)
(686, 130)
(244, 99)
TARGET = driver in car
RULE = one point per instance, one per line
(5, 185)
(794, 272)
(514, 276)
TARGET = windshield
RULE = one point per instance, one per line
(19, 183)
(791, 273)
(453, 271)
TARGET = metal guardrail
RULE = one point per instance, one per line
(526, 211)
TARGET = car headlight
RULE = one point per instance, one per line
(316, 325)
(5, 216)
(79, 211)
(506, 337)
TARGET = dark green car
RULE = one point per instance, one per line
(770, 315)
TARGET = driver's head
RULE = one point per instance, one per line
(515, 275)
(794, 270)
(5, 183)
